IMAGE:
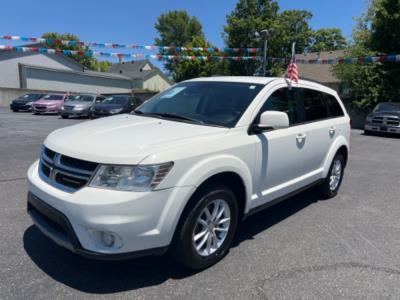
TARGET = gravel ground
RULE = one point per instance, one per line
(303, 248)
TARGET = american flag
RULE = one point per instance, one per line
(293, 72)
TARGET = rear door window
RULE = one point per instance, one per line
(314, 105)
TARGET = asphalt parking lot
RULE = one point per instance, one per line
(303, 248)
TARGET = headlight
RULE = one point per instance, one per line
(115, 111)
(29, 103)
(62, 107)
(130, 178)
(369, 118)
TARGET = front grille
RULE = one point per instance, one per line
(390, 121)
(68, 108)
(377, 120)
(393, 123)
(64, 172)
(40, 107)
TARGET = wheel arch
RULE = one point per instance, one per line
(340, 145)
(226, 170)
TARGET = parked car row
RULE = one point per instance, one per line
(77, 105)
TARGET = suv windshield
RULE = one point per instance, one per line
(389, 107)
(53, 97)
(210, 103)
(86, 98)
(122, 100)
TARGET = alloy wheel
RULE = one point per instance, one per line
(212, 227)
(336, 174)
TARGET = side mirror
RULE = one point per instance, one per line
(273, 120)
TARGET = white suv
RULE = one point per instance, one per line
(187, 166)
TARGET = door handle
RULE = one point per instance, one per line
(301, 136)
(332, 130)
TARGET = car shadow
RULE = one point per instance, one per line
(104, 277)
(383, 134)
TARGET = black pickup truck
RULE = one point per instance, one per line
(384, 118)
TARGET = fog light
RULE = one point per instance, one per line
(108, 239)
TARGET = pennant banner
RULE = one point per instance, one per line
(126, 55)
(132, 46)
(90, 53)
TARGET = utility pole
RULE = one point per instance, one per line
(265, 57)
(265, 34)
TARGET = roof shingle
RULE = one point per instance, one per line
(319, 72)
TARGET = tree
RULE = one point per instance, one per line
(377, 32)
(100, 66)
(54, 39)
(250, 16)
(385, 26)
(177, 28)
(327, 39)
(366, 81)
(187, 69)
(385, 39)
(293, 27)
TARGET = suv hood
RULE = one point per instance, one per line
(107, 107)
(22, 100)
(48, 102)
(385, 113)
(126, 139)
(78, 103)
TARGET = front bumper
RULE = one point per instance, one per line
(47, 110)
(382, 128)
(14, 106)
(101, 114)
(57, 227)
(143, 221)
(73, 113)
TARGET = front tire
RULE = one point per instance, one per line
(330, 186)
(207, 228)
(64, 116)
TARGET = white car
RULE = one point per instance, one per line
(187, 166)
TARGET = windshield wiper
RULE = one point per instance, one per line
(169, 116)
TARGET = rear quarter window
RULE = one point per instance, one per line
(334, 108)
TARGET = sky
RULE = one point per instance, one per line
(132, 21)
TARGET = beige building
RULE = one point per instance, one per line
(321, 73)
(143, 73)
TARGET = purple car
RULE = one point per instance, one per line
(49, 104)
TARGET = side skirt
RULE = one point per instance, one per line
(282, 198)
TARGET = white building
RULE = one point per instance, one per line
(22, 72)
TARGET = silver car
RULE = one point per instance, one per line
(79, 105)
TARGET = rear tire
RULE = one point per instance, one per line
(331, 184)
(203, 239)
(64, 116)
(15, 110)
